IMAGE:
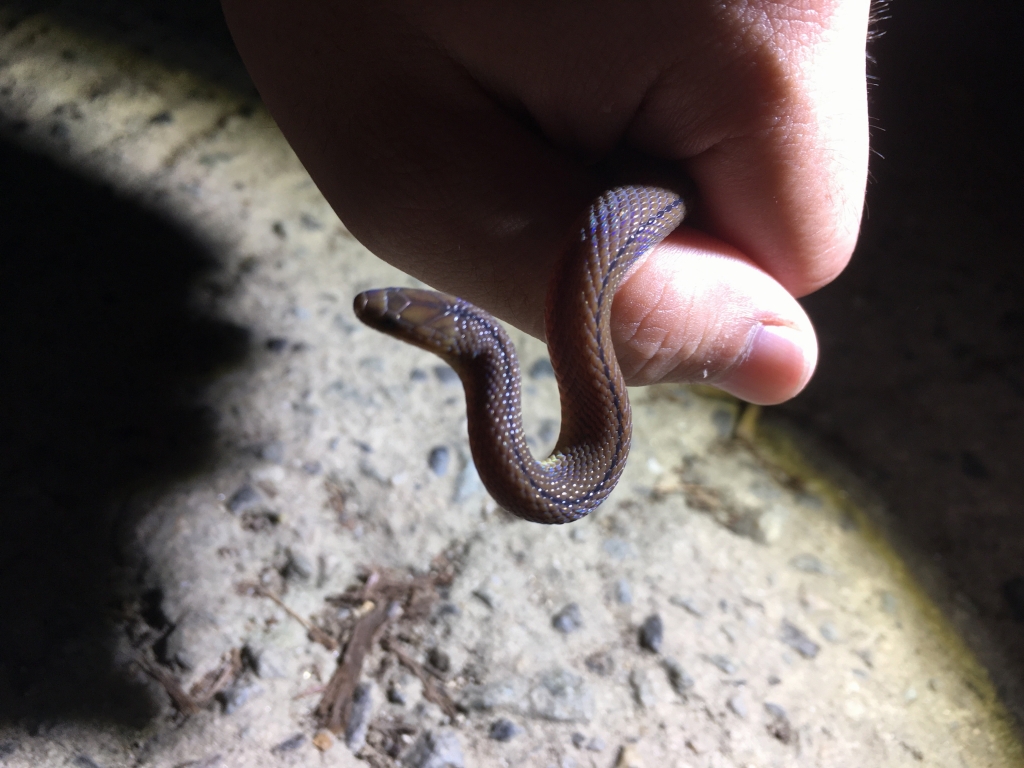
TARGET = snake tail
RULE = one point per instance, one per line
(590, 454)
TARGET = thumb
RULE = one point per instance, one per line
(696, 310)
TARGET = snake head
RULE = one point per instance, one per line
(418, 317)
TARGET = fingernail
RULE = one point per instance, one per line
(778, 364)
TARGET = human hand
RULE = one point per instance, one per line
(460, 142)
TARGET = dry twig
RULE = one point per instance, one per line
(315, 633)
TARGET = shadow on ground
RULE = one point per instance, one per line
(103, 362)
(921, 382)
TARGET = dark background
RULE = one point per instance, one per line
(920, 385)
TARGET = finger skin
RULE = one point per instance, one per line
(460, 141)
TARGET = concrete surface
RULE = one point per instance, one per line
(194, 410)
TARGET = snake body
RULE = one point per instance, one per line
(619, 227)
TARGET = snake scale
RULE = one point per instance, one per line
(619, 227)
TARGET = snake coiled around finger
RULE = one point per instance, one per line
(619, 227)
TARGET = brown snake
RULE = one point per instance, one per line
(620, 226)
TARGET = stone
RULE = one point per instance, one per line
(738, 704)
(542, 369)
(687, 604)
(680, 681)
(795, 638)
(469, 483)
(569, 619)
(290, 744)
(234, 698)
(504, 729)
(438, 460)
(643, 691)
(323, 740)
(561, 696)
(652, 633)
(808, 563)
(435, 749)
(439, 660)
(623, 594)
(299, 567)
(445, 374)
(724, 663)
(244, 499)
(360, 714)
(779, 726)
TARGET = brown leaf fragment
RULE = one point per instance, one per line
(181, 700)
(333, 709)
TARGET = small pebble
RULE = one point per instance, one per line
(569, 619)
(724, 663)
(628, 758)
(910, 695)
(680, 681)
(276, 344)
(541, 369)
(234, 698)
(265, 662)
(738, 704)
(643, 691)
(792, 636)
(723, 421)
(439, 660)
(829, 632)
(548, 430)
(652, 633)
(439, 459)
(485, 596)
(623, 594)
(445, 374)
(504, 730)
(687, 604)
(323, 740)
(578, 739)
(779, 726)
(290, 744)
(600, 663)
(396, 695)
(807, 563)
(310, 222)
(617, 548)
(360, 714)
(417, 374)
(596, 744)
(889, 603)
(312, 467)
(244, 499)
(299, 566)
(469, 483)
(83, 761)
(435, 749)
(273, 452)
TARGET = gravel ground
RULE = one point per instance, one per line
(213, 474)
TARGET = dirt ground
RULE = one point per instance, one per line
(240, 529)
